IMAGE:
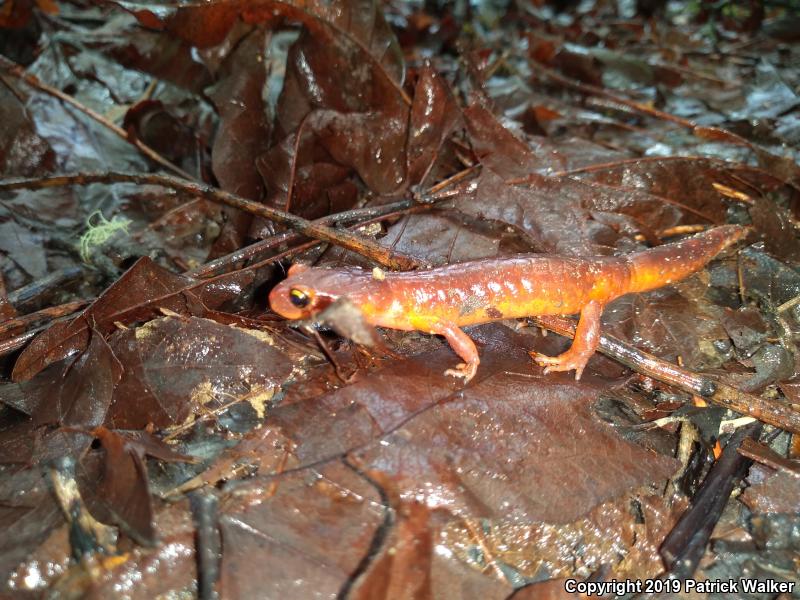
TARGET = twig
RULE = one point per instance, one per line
(19, 72)
(685, 544)
(437, 191)
(49, 282)
(715, 133)
(720, 393)
(205, 514)
(360, 245)
(220, 264)
(767, 456)
(46, 314)
(12, 344)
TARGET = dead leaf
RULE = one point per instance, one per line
(115, 486)
(180, 367)
(139, 295)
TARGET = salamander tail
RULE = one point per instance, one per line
(669, 263)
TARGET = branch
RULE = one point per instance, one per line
(358, 244)
(718, 392)
(19, 72)
(358, 216)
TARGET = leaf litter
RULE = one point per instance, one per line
(229, 452)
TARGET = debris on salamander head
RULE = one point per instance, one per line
(378, 274)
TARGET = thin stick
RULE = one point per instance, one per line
(47, 284)
(386, 211)
(46, 314)
(716, 133)
(19, 72)
(718, 392)
(359, 244)
(11, 344)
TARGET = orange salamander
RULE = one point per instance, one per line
(445, 299)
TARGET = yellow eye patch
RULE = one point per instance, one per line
(299, 298)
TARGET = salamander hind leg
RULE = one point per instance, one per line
(587, 337)
(462, 345)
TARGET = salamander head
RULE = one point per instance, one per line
(306, 290)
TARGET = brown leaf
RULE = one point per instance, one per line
(511, 455)
(77, 392)
(360, 21)
(687, 181)
(28, 513)
(85, 393)
(156, 125)
(342, 97)
(116, 489)
(450, 236)
(554, 220)
(175, 367)
(201, 26)
(505, 445)
(163, 56)
(777, 226)
(319, 186)
(500, 150)
(297, 535)
(668, 323)
(434, 116)
(18, 438)
(408, 567)
(772, 492)
(139, 295)
(403, 570)
(244, 132)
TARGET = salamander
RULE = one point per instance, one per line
(442, 300)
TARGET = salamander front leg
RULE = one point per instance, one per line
(587, 337)
(462, 345)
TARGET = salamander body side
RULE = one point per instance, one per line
(444, 299)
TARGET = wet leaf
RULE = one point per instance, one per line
(24, 247)
(18, 439)
(434, 116)
(669, 323)
(139, 295)
(23, 152)
(75, 392)
(28, 513)
(501, 151)
(772, 492)
(458, 450)
(244, 131)
(299, 534)
(175, 368)
(342, 90)
(86, 387)
(116, 490)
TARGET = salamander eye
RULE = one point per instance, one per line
(299, 298)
